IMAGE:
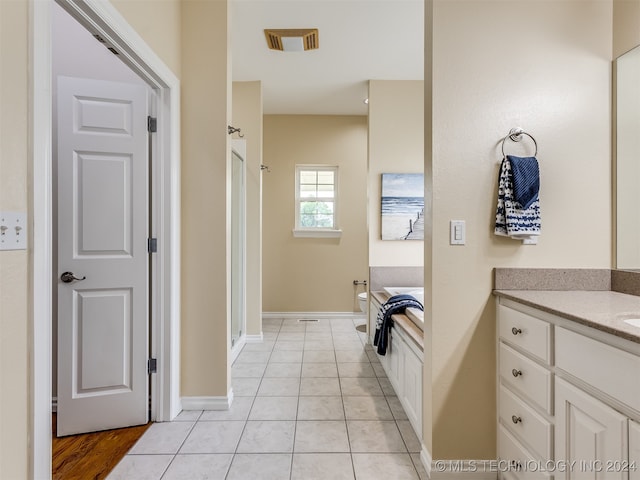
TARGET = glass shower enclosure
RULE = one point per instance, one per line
(238, 245)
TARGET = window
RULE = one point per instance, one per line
(316, 201)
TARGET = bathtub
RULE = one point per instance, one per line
(416, 315)
(416, 292)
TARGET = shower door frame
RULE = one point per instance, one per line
(239, 148)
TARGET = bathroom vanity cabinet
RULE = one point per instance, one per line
(634, 449)
(568, 398)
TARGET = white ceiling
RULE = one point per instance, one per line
(359, 40)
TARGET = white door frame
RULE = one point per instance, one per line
(101, 17)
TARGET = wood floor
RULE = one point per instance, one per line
(91, 455)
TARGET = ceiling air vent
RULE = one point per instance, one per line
(292, 39)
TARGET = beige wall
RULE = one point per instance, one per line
(557, 86)
(191, 37)
(396, 145)
(247, 115)
(14, 399)
(313, 274)
(158, 23)
(626, 21)
(206, 180)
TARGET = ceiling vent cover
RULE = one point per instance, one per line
(292, 39)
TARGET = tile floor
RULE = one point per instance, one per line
(311, 402)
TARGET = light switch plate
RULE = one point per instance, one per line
(13, 231)
(457, 232)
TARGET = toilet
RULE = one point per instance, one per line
(362, 301)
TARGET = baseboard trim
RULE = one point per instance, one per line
(322, 315)
(254, 338)
(207, 403)
(425, 458)
(460, 469)
(237, 348)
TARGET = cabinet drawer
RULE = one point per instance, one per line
(514, 461)
(526, 376)
(607, 368)
(525, 423)
(526, 332)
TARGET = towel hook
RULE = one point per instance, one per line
(515, 135)
(231, 130)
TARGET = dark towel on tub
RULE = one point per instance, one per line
(395, 304)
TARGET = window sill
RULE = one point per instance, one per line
(317, 233)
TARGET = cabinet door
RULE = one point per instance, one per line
(634, 450)
(412, 389)
(395, 354)
(373, 317)
(589, 433)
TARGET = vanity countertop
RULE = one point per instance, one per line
(602, 310)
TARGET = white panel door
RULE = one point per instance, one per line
(590, 433)
(102, 240)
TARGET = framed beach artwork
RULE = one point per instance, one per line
(402, 206)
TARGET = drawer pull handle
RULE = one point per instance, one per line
(516, 373)
(516, 331)
(515, 419)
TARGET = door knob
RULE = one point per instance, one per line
(68, 277)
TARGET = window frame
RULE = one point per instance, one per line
(317, 232)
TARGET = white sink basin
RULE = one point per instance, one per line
(633, 321)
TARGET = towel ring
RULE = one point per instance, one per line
(515, 135)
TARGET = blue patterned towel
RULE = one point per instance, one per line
(526, 179)
(511, 219)
(384, 322)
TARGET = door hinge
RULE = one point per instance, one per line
(152, 124)
(152, 245)
(152, 366)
